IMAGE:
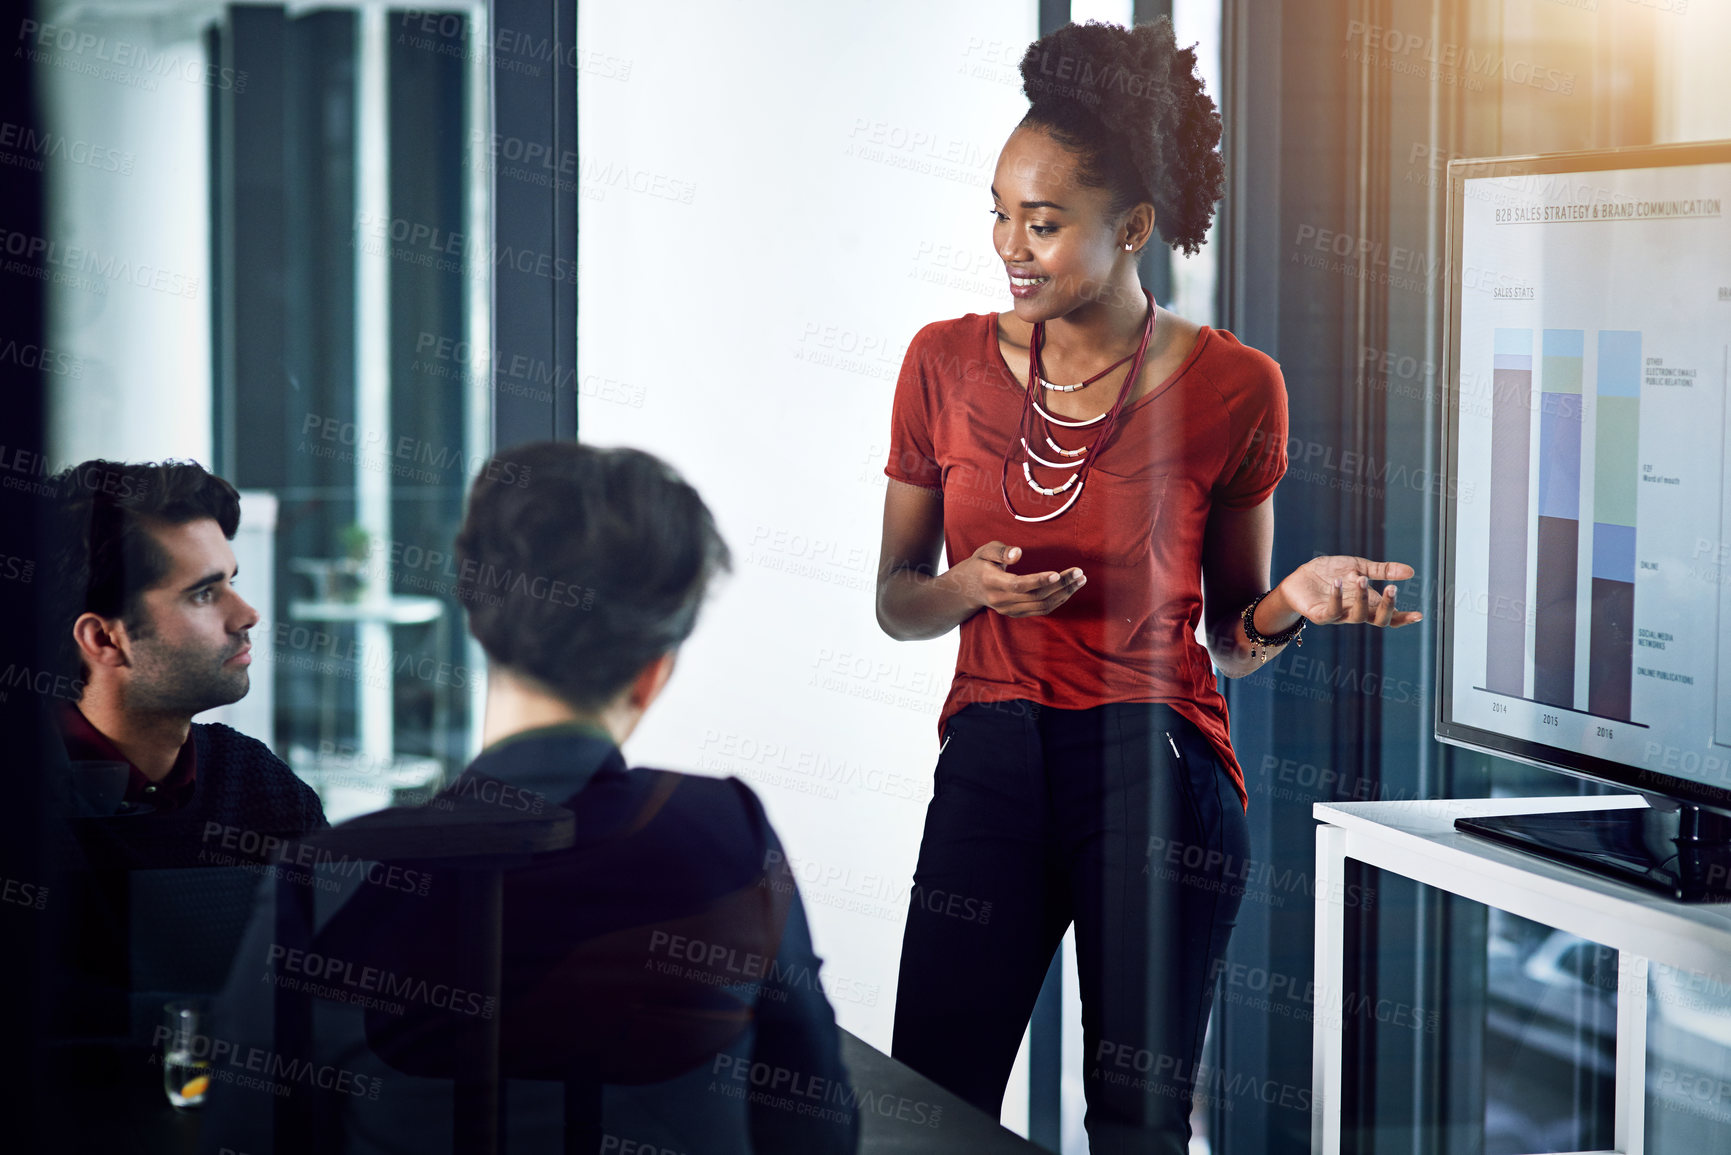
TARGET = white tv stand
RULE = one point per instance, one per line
(1418, 840)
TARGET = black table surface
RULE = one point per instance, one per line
(901, 1111)
(904, 1113)
(113, 1102)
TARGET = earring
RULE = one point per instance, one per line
(1127, 246)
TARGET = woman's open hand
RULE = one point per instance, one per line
(986, 579)
(1337, 590)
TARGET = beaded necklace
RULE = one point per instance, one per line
(1025, 428)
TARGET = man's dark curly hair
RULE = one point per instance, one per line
(1128, 102)
(104, 554)
(590, 571)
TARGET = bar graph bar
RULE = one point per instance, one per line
(1616, 469)
(1511, 440)
(1561, 363)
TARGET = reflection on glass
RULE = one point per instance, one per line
(358, 280)
(283, 272)
(1550, 1039)
(97, 788)
(1688, 1059)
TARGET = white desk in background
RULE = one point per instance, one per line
(365, 779)
(1418, 840)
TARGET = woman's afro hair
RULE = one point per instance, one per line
(1128, 102)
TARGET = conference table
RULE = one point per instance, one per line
(901, 1112)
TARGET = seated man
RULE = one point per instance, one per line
(150, 632)
(154, 632)
(654, 986)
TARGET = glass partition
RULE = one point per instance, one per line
(282, 213)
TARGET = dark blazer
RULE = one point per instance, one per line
(656, 965)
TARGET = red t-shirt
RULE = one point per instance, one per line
(1212, 433)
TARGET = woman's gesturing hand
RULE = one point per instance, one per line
(986, 579)
(1337, 589)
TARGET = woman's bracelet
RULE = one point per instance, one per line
(1259, 640)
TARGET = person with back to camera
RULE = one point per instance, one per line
(657, 987)
(1100, 474)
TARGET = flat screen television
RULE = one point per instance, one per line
(1585, 619)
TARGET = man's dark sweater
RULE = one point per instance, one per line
(244, 803)
(150, 915)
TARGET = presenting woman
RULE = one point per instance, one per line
(1100, 474)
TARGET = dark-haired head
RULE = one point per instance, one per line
(581, 566)
(106, 550)
(1129, 105)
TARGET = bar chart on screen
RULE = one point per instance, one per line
(1580, 653)
(1591, 572)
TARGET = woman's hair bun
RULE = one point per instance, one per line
(1129, 103)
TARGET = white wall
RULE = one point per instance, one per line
(823, 176)
(127, 170)
(838, 160)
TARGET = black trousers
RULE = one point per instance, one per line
(1118, 818)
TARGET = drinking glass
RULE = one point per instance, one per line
(185, 1053)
